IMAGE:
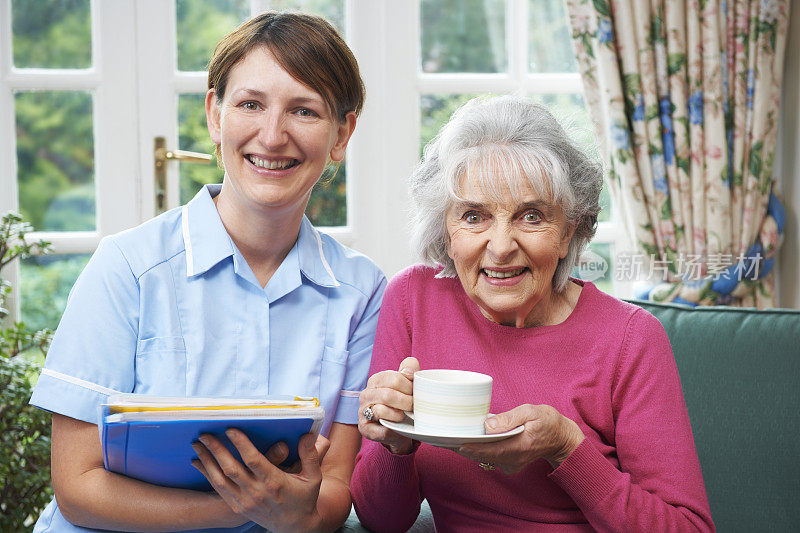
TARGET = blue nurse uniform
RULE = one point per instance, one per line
(171, 308)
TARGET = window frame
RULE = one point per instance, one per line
(110, 80)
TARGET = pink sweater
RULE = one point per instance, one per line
(609, 367)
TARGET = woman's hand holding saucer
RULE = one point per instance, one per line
(547, 435)
(259, 490)
(387, 396)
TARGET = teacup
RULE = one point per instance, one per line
(451, 402)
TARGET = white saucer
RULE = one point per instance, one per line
(406, 429)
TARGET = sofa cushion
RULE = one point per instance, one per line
(740, 370)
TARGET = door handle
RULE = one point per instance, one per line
(161, 155)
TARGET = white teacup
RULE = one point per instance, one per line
(451, 402)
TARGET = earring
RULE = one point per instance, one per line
(327, 177)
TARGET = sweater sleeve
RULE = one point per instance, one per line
(384, 486)
(659, 485)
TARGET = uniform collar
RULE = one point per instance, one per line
(313, 263)
(204, 237)
(207, 243)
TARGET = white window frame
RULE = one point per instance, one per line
(111, 81)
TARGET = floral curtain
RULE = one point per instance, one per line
(685, 97)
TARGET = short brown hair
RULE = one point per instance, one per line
(305, 46)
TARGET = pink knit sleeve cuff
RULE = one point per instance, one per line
(397, 468)
(586, 475)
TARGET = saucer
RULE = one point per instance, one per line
(406, 429)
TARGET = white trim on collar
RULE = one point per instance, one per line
(325, 261)
(187, 241)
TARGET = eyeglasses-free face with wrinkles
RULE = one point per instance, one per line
(506, 251)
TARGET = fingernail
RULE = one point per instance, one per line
(491, 422)
(203, 439)
(407, 372)
(281, 449)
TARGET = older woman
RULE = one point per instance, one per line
(504, 205)
(206, 301)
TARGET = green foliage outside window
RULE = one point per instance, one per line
(328, 204)
(40, 24)
(201, 24)
(463, 36)
(55, 159)
(24, 430)
(193, 136)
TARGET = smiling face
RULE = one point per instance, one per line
(276, 135)
(506, 251)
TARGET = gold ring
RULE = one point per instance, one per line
(368, 413)
(487, 466)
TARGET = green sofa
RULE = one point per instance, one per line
(740, 371)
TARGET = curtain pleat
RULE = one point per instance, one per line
(685, 99)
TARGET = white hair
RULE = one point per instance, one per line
(503, 143)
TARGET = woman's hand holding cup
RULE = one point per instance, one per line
(547, 435)
(387, 396)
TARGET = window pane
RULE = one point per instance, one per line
(549, 40)
(328, 203)
(55, 160)
(45, 283)
(193, 136)
(330, 10)
(51, 33)
(463, 36)
(201, 24)
(595, 265)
